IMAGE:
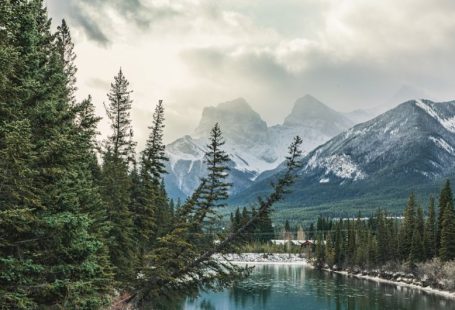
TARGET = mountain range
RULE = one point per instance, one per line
(375, 164)
(253, 147)
(345, 168)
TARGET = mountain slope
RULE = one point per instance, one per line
(411, 146)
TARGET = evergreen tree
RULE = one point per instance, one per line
(447, 250)
(151, 209)
(311, 232)
(18, 202)
(116, 184)
(237, 219)
(180, 263)
(429, 239)
(266, 231)
(50, 254)
(65, 47)
(417, 253)
(153, 156)
(445, 201)
(215, 192)
(120, 143)
(287, 227)
(408, 227)
(338, 245)
(320, 250)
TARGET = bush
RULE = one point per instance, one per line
(437, 274)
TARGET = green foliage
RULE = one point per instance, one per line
(447, 250)
(429, 236)
(445, 201)
(65, 48)
(120, 143)
(52, 253)
(382, 239)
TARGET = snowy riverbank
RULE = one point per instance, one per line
(400, 281)
(264, 258)
(397, 279)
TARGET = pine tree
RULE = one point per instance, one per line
(311, 232)
(338, 245)
(429, 238)
(445, 201)
(65, 48)
(154, 157)
(447, 250)
(237, 219)
(151, 208)
(408, 227)
(178, 256)
(383, 242)
(215, 193)
(417, 253)
(320, 250)
(266, 231)
(287, 227)
(116, 184)
(50, 248)
(18, 202)
(120, 143)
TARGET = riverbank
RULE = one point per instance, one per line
(264, 258)
(398, 279)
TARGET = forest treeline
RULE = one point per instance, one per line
(382, 239)
(81, 221)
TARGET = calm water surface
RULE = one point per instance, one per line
(299, 287)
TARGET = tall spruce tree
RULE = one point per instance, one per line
(417, 252)
(50, 254)
(266, 230)
(429, 237)
(151, 207)
(153, 156)
(447, 249)
(116, 183)
(408, 227)
(215, 192)
(120, 143)
(445, 201)
(65, 47)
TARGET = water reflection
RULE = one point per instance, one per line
(298, 287)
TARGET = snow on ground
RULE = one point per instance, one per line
(275, 258)
(428, 289)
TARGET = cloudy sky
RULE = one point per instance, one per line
(193, 53)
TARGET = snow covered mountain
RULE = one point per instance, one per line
(253, 147)
(409, 145)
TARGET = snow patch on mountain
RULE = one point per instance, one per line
(447, 123)
(340, 165)
(443, 144)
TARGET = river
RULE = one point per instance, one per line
(291, 286)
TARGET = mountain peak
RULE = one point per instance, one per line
(310, 112)
(235, 118)
(238, 104)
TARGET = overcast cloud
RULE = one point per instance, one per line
(192, 53)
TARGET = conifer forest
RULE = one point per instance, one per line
(87, 222)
